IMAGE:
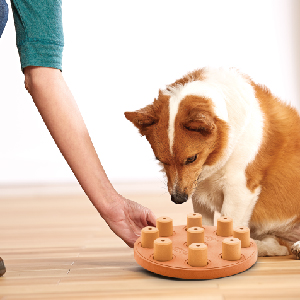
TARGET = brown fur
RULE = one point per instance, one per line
(198, 131)
(192, 76)
(277, 165)
(208, 143)
(150, 123)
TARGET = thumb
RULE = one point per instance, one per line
(150, 218)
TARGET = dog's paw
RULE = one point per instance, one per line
(296, 249)
(269, 246)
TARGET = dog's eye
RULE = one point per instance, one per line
(190, 159)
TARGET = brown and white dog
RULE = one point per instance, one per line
(232, 147)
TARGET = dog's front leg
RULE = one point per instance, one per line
(239, 201)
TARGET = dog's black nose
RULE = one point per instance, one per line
(179, 198)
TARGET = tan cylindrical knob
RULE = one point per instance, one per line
(165, 226)
(243, 234)
(224, 226)
(149, 235)
(163, 249)
(194, 220)
(195, 235)
(197, 255)
(231, 249)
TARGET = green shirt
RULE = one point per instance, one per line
(39, 32)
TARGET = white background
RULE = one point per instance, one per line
(119, 53)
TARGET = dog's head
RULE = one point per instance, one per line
(185, 134)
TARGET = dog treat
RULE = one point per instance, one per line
(231, 249)
(243, 234)
(149, 235)
(224, 226)
(195, 235)
(165, 226)
(197, 255)
(194, 220)
(163, 250)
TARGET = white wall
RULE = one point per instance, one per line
(119, 53)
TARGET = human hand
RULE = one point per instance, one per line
(126, 219)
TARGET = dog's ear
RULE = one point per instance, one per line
(199, 121)
(143, 118)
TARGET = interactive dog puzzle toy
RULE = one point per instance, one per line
(195, 251)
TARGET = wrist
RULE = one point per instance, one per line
(103, 195)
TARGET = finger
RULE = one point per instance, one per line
(129, 244)
(131, 240)
(151, 219)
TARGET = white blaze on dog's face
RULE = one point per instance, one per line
(185, 133)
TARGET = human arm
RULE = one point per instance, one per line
(63, 119)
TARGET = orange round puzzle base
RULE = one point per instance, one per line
(178, 266)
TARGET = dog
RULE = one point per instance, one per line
(229, 145)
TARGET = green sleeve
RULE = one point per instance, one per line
(39, 32)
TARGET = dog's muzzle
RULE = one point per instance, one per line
(179, 198)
